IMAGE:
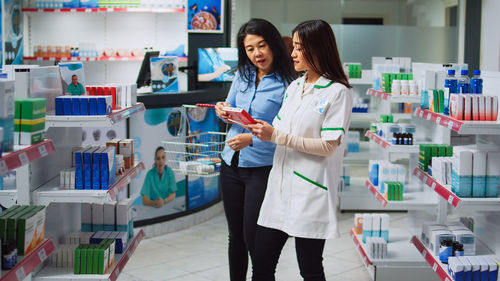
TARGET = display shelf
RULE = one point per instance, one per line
(364, 153)
(391, 148)
(93, 121)
(418, 200)
(52, 273)
(8, 197)
(23, 155)
(50, 192)
(362, 254)
(104, 10)
(29, 262)
(376, 116)
(392, 99)
(478, 204)
(440, 270)
(92, 59)
(461, 127)
(366, 78)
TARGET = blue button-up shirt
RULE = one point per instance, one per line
(262, 103)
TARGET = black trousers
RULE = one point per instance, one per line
(243, 191)
(268, 245)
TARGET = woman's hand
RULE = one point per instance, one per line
(170, 198)
(239, 142)
(158, 203)
(222, 113)
(262, 130)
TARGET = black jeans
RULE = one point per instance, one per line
(268, 245)
(243, 191)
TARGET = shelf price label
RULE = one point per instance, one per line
(129, 254)
(424, 252)
(450, 199)
(23, 158)
(20, 274)
(42, 255)
(434, 267)
(3, 167)
(438, 120)
(421, 114)
(450, 124)
(42, 150)
(433, 185)
(429, 116)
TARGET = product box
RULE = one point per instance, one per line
(367, 226)
(435, 239)
(104, 105)
(109, 216)
(375, 225)
(124, 220)
(467, 268)
(467, 107)
(121, 240)
(60, 105)
(40, 224)
(239, 116)
(108, 167)
(75, 105)
(127, 150)
(492, 174)
(475, 267)
(457, 106)
(86, 217)
(84, 105)
(467, 238)
(97, 217)
(494, 108)
(3, 220)
(485, 267)
(358, 224)
(27, 231)
(96, 168)
(475, 107)
(79, 167)
(482, 107)
(12, 222)
(488, 102)
(455, 269)
(462, 172)
(114, 143)
(493, 269)
(87, 167)
(7, 113)
(76, 266)
(478, 173)
(92, 105)
(384, 227)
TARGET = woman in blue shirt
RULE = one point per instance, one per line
(264, 72)
(159, 186)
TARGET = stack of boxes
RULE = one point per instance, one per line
(427, 151)
(353, 141)
(433, 100)
(108, 217)
(388, 178)
(387, 79)
(84, 105)
(122, 95)
(434, 233)
(29, 122)
(7, 113)
(473, 268)
(473, 107)
(372, 225)
(353, 70)
(125, 148)
(94, 168)
(94, 258)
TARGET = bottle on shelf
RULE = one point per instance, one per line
(476, 83)
(450, 82)
(463, 82)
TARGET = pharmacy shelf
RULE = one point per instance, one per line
(477, 204)
(461, 127)
(92, 59)
(376, 116)
(29, 262)
(418, 200)
(357, 239)
(104, 10)
(364, 153)
(391, 148)
(50, 192)
(392, 99)
(55, 273)
(435, 264)
(93, 121)
(23, 155)
(366, 78)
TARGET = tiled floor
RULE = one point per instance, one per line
(200, 254)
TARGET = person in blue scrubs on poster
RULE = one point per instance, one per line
(159, 186)
(211, 66)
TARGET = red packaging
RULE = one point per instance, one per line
(88, 91)
(94, 91)
(112, 92)
(239, 116)
(100, 91)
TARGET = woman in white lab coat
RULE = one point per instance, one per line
(309, 131)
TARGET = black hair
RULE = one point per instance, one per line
(320, 50)
(158, 149)
(282, 62)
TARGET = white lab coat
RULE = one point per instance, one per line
(301, 193)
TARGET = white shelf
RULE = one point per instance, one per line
(50, 192)
(23, 155)
(53, 273)
(392, 148)
(420, 200)
(27, 263)
(459, 126)
(392, 99)
(93, 121)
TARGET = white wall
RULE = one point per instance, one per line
(490, 35)
(426, 13)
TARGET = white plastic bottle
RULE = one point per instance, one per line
(463, 82)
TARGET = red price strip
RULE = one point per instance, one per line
(376, 193)
(362, 252)
(125, 180)
(437, 187)
(126, 256)
(30, 262)
(377, 139)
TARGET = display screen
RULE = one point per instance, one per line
(217, 64)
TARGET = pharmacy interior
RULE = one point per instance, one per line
(90, 90)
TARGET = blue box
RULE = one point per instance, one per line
(461, 185)
(59, 105)
(84, 106)
(89, 4)
(79, 168)
(75, 106)
(96, 166)
(120, 241)
(104, 105)
(108, 167)
(479, 187)
(87, 167)
(92, 105)
(492, 184)
(67, 106)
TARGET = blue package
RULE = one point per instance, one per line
(75, 106)
(492, 184)
(89, 4)
(424, 100)
(108, 167)
(479, 186)
(96, 167)
(8, 133)
(461, 185)
(87, 167)
(120, 241)
(93, 106)
(71, 4)
(59, 105)
(84, 106)
(79, 168)
(104, 105)
(67, 106)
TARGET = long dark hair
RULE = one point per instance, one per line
(282, 63)
(320, 50)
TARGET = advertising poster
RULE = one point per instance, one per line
(217, 64)
(13, 31)
(202, 190)
(67, 71)
(158, 197)
(164, 74)
(205, 16)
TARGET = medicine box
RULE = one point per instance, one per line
(108, 167)
(478, 173)
(97, 217)
(492, 174)
(109, 216)
(96, 168)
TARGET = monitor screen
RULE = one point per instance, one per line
(144, 77)
(217, 64)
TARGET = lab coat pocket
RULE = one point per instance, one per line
(318, 105)
(310, 198)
